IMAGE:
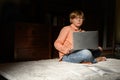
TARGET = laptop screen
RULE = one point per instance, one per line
(85, 40)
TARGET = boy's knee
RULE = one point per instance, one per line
(87, 53)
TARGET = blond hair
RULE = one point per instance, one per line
(75, 14)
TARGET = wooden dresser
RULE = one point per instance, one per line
(32, 42)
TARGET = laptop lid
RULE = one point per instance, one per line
(85, 40)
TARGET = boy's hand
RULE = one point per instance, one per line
(100, 48)
(82, 30)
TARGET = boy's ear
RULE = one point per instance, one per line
(70, 20)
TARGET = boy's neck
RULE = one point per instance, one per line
(75, 27)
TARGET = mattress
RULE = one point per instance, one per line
(52, 69)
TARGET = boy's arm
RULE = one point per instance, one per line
(59, 43)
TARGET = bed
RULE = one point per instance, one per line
(51, 69)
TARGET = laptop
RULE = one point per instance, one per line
(85, 40)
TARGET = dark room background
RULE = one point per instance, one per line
(28, 28)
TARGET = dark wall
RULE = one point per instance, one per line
(99, 15)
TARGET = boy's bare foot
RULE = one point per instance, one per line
(99, 59)
(86, 63)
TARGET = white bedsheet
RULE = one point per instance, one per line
(51, 69)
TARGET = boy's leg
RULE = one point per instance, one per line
(96, 54)
(79, 56)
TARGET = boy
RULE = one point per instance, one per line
(64, 43)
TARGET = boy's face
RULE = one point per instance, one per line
(77, 21)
